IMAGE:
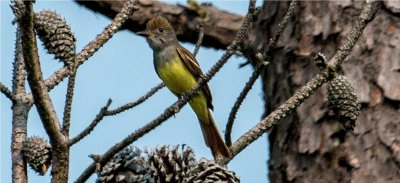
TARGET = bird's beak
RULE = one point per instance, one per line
(143, 33)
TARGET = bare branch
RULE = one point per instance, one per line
(259, 68)
(232, 115)
(368, 13)
(93, 124)
(7, 92)
(218, 34)
(68, 103)
(72, 67)
(19, 72)
(272, 43)
(126, 11)
(137, 102)
(20, 108)
(178, 105)
(105, 112)
(200, 39)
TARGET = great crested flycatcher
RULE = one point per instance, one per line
(180, 71)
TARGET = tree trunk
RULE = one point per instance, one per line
(19, 130)
(311, 145)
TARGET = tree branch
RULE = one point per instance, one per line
(259, 68)
(73, 69)
(128, 8)
(137, 102)
(200, 38)
(232, 115)
(105, 112)
(19, 72)
(178, 105)
(7, 92)
(220, 26)
(93, 124)
(68, 103)
(281, 27)
(20, 112)
(368, 13)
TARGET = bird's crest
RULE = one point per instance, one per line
(158, 22)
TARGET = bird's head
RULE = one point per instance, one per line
(159, 33)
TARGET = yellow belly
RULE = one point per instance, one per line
(176, 76)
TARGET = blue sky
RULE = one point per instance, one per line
(123, 71)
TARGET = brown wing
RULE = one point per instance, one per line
(194, 68)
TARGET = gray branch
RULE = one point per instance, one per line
(126, 11)
(7, 92)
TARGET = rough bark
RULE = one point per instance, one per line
(311, 145)
(20, 110)
(19, 132)
(220, 27)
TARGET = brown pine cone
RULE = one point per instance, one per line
(127, 166)
(56, 35)
(169, 164)
(37, 153)
(207, 171)
(343, 101)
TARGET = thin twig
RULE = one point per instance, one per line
(178, 105)
(249, 84)
(126, 11)
(368, 13)
(68, 103)
(105, 112)
(93, 124)
(259, 68)
(72, 67)
(200, 39)
(281, 27)
(137, 102)
(7, 92)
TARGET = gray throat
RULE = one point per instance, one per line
(163, 56)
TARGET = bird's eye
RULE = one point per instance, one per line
(161, 29)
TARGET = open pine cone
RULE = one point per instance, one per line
(56, 35)
(169, 165)
(207, 171)
(37, 153)
(126, 167)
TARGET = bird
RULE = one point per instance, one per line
(180, 71)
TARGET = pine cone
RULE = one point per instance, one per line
(343, 101)
(207, 171)
(56, 35)
(169, 165)
(37, 153)
(126, 167)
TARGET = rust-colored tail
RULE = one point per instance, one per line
(213, 138)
